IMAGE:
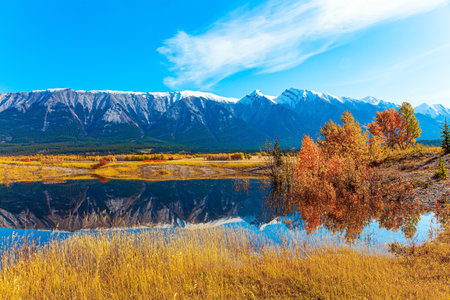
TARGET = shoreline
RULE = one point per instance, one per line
(14, 171)
(415, 166)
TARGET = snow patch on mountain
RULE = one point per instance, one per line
(58, 89)
(371, 100)
(209, 96)
(292, 97)
(46, 123)
(112, 115)
(112, 92)
(256, 95)
(178, 94)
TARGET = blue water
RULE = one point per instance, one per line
(57, 211)
(276, 233)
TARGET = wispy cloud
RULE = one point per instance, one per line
(275, 36)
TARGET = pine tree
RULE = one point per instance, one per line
(277, 153)
(445, 137)
(442, 172)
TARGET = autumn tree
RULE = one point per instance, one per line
(323, 181)
(311, 186)
(341, 193)
(445, 134)
(396, 128)
(347, 139)
(387, 126)
(377, 148)
(411, 126)
(330, 182)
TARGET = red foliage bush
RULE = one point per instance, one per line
(344, 195)
(101, 163)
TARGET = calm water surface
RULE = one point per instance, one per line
(45, 211)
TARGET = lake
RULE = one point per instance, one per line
(43, 211)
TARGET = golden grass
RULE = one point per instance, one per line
(26, 173)
(215, 263)
(394, 156)
(182, 170)
(20, 171)
(231, 164)
(151, 171)
(65, 167)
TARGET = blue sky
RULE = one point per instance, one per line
(392, 49)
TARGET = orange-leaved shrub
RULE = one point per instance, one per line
(102, 162)
(335, 186)
(344, 195)
(333, 182)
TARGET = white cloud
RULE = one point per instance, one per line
(275, 36)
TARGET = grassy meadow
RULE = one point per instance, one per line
(52, 168)
(219, 263)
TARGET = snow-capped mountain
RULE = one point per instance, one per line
(61, 114)
(187, 118)
(265, 114)
(435, 111)
(320, 107)
(256, 95)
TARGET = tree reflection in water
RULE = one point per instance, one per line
(345, 216)
(386, 200)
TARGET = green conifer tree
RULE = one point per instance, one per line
(442, 172)
(445, 134)
(277, 153)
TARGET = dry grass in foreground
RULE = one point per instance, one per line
(215, 263)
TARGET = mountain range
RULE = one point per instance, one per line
(181, 120)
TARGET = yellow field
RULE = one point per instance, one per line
(28, 171)
(218, 263)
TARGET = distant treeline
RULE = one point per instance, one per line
(434, 143)
(228, 156)
(104, 159)
(95, 148)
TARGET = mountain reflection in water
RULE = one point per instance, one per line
(89, 204)
(86, 204)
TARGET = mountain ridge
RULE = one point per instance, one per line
(194, 119)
